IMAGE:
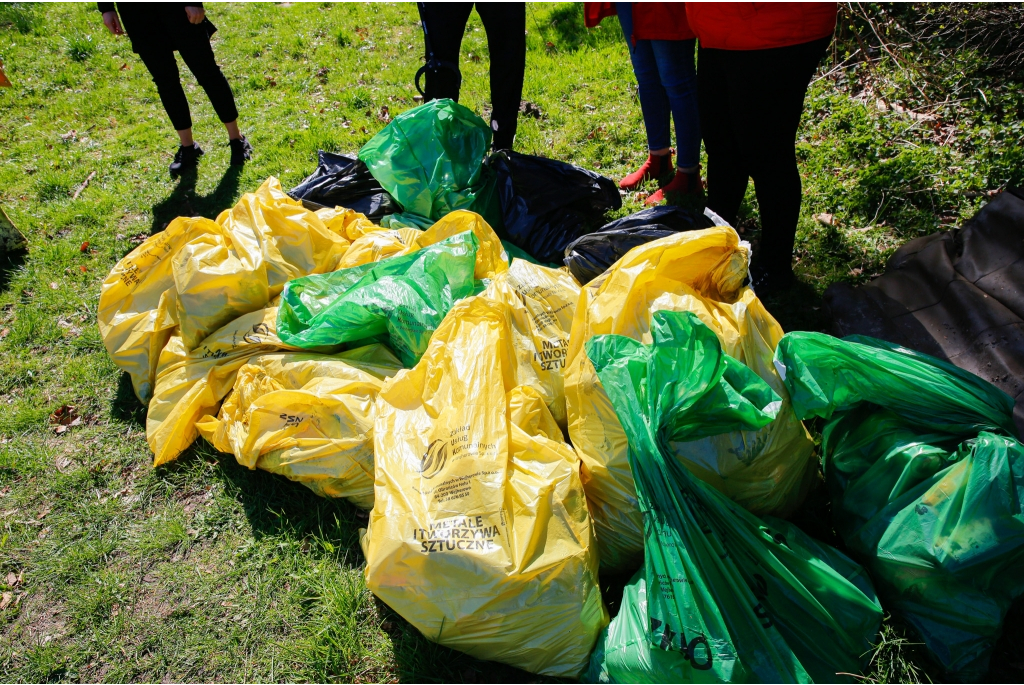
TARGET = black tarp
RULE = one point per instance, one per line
(590, 255)
(957, 295)
(344, 181)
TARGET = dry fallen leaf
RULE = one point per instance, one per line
(65, 417)
(8, 597)
(12, 579)
(43, 514)
(825, 219)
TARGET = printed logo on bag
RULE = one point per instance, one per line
(259, 329)
(434, 458)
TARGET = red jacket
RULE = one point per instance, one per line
(760, 25)
(651, 20)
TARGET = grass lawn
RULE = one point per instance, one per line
(206, 571)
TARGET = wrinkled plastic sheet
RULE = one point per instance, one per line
(546, 204)
(344, 181)
(591, 255)
(956, 295)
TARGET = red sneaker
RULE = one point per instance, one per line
(683, 184)
(656, 166)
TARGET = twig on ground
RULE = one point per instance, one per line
(85, 184)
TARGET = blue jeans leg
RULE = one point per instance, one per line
(654, 100)
(678, 77)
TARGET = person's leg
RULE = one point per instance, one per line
(727, 170)
(770, 139)
(198, 56)
(164, 69)
(653, 99)
(505, 24)
(677, 74)
(444, 24)
(653, 104)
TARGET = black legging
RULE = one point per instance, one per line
(750, 103)
(198, 56)
(505, 24)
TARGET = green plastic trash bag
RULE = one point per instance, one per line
(927, 484)
(406, 220)
(403, 298)
(430, 158)
(724, 596)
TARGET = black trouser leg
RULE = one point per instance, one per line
(505, 24)
(198, 56)
(761, 94)
(444, 24)
(773, 160)
(727, 166)
(164, 70)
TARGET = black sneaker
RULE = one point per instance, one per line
(241, 151)
(186, 158)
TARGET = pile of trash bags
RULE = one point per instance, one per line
(768, 468)
(926, 473)
(515, 429)
(721, 591)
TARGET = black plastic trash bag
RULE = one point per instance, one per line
(590, 255)
(343, 181)
(547, 204)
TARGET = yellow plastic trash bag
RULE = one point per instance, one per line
(202, 274)
(267, 239)
(306, 416)
(378, 245)
(479, 534)
(346, 223)
(767, 471)
(191, 384)
(491, 258)
(540, 303)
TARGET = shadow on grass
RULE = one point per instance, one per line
(563, 28)
(10, 263)
(797, 308)
(125, 405)
(183, 200)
